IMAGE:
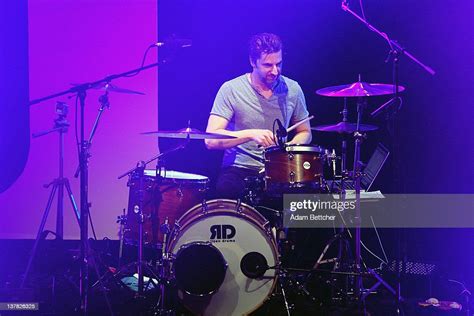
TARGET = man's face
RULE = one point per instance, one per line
(268, 67)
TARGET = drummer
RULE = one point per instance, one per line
(247, 106)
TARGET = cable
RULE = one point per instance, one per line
(370, 28)
(142, 64)
(373, 254)
(379, 239)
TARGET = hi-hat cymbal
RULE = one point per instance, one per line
(112, 88)
(359, 89)
(345, 127)
(189, 133)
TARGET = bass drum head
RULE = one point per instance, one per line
(238, 232)
(207, 271)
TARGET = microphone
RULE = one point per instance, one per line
(282, 132)
(175, 43)
(254, 265)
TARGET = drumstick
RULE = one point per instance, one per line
(289, 129)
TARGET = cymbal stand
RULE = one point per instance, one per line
(61, 126)
(360, 293)
(340, 236)
(361, 103)
(104, 103)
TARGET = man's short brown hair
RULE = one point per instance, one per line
(263, 43)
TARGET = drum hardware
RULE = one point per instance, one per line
(163, 269)
(292, 175)
(121, 220)
(204, 207)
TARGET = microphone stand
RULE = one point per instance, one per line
(396, 50)
(393, 44)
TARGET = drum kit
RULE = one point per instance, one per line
(223, 257)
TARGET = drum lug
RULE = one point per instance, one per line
(204, 207)
(292, 177)
(176, 229)
(291, 156)
(268, 230)
(238, 207)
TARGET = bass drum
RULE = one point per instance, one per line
(221, 251)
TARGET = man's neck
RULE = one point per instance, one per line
(259, 84)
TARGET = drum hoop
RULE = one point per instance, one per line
(296, 149)
(205, 211)
(262, 223)
(177, 182)
(178, 175)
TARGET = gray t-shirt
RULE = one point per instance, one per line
(245, 108)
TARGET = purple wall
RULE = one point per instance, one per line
(74, 42)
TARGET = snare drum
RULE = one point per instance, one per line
(294, 166)
(168, 196)
(221, 250)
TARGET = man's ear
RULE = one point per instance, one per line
(252, 63)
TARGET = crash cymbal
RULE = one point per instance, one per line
(359, 89)
(112, 88)
(344, 127)
(190, 133)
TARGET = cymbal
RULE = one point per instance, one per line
(359, 89)
(345, 127)
(112, 88)
(189, 133)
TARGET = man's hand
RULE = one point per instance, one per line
(262, 137)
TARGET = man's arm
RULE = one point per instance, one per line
(218, 125)
(303, 134)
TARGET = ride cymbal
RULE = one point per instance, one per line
(359, 89)
(344, 127)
